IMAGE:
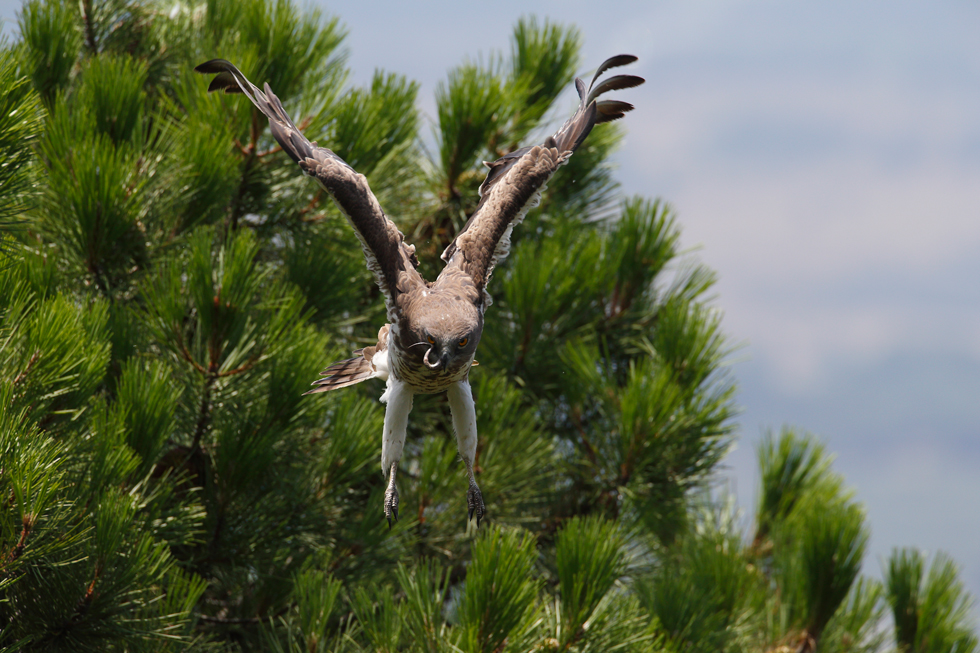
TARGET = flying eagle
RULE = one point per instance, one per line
(433, 327)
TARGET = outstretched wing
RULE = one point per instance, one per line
(515, 181)
(392, 261)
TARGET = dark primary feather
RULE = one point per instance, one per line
(523, 177)
(388, 257)
(610, 110)
(614, 84)
(613, 62)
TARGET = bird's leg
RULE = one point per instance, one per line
(391, 496)
(398, 398)
(474, 498)
(464, 421)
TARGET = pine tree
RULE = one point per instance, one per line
(932, 613)
(174, 284)
(19, 126)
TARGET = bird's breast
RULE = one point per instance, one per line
(411, 370)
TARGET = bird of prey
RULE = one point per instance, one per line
(433, 327)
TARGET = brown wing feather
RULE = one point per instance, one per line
(391, 260)
(516, 180)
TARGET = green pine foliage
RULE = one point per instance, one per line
(931, 611)
(20, 123)
(173, 284)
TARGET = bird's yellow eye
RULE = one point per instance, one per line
(462, 343)
(431, 340)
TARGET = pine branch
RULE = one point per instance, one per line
(88, 25)
(32, 361)
(203, 414)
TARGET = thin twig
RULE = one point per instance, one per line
(30, 365)
(242, 620)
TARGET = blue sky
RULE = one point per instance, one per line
(824, 158)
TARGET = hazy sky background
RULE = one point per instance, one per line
(825, 159)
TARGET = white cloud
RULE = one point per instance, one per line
(828, 221)
(805, 345)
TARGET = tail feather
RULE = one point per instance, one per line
(344, 373)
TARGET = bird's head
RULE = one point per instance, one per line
(449, 334)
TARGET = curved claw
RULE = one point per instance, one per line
(474, 502)
(425, 359)
(391, 505)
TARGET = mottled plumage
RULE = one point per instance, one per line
(434, 328)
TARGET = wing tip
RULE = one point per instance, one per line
(615, 61)
(609, 110)
(212, 66)
(226, 75)
(225, 82)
